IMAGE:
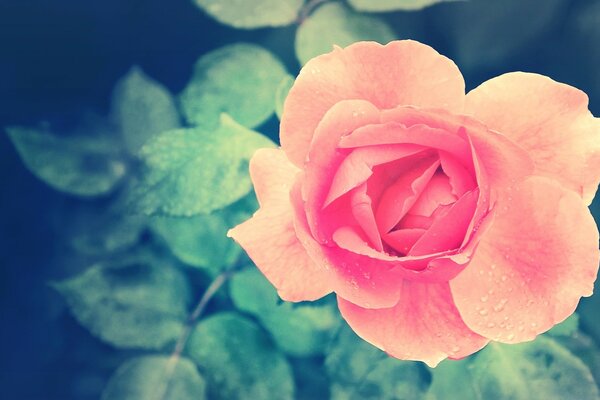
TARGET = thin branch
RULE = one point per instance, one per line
(212, 289)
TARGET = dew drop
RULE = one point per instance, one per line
(503, 278)
(484, 298)
(510, 336)
(500, 306)
(483, 312)
(491, 325)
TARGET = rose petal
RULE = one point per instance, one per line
(403, 240)
(548, 119)
(394, 133)
(532, 265)
(357, 167)
(437, 192)
(461, 180)
(398, 198)
(424, 325)
(362, 210)
(269, 236)
(448, 231)
(399, 73)
(325, 158)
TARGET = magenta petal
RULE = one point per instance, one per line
(448, 231)
(357, 167)
(362, 210)
(403, 240)
(398, 198)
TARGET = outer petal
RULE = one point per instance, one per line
(424, 325)
(399, 73)
(532, 265)
(269, 237)
(548, 119)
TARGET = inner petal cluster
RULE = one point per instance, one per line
(402, 196)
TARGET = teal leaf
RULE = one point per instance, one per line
(565, 328)
(361, 371)
(246, 14)
(541, 369)
(297, 329)
(156, 378)
(239, 79)
(238, 360)
(201, 240)
(392, 5)
(84, 166)
(99, 231)
(129, 303)
(196, 171)
(281, 94)
(335, 24)
(142, 108)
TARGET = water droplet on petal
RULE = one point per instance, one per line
(510, 336)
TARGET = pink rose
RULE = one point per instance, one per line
(440, 220)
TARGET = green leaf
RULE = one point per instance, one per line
(541, 369)
(281, 94)
(392, 5)
(142, 108)
(129, 303)
(83, 166)
(201, 240)
(239, 79)
(238, 360)
(565, 328)
(583, 347)
(156, 378)
(361, 371)
(196, 171)
(298, 329)
(246, 14)
(99, 231)
(335, 24)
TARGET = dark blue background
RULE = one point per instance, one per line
(60, 58)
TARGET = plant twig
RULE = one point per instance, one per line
(212, 289)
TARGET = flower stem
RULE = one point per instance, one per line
(192, 319)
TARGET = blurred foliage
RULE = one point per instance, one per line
(155, 185)
(336, 24)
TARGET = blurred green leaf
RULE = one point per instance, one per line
(238, 360)
(129, 303)
(392, 5)
(83, 166)
(142, 108)
(246, 14)
(335, 24)
(360, 371)
(299, 330)
(568, 327)
(541, 369)
(239, 79)
(95, 231)
(156, 378)
(196, 171)
(201, 240)
(584, 347)
(282, 91)
(483, 32)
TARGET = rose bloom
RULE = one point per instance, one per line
(440, 220)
